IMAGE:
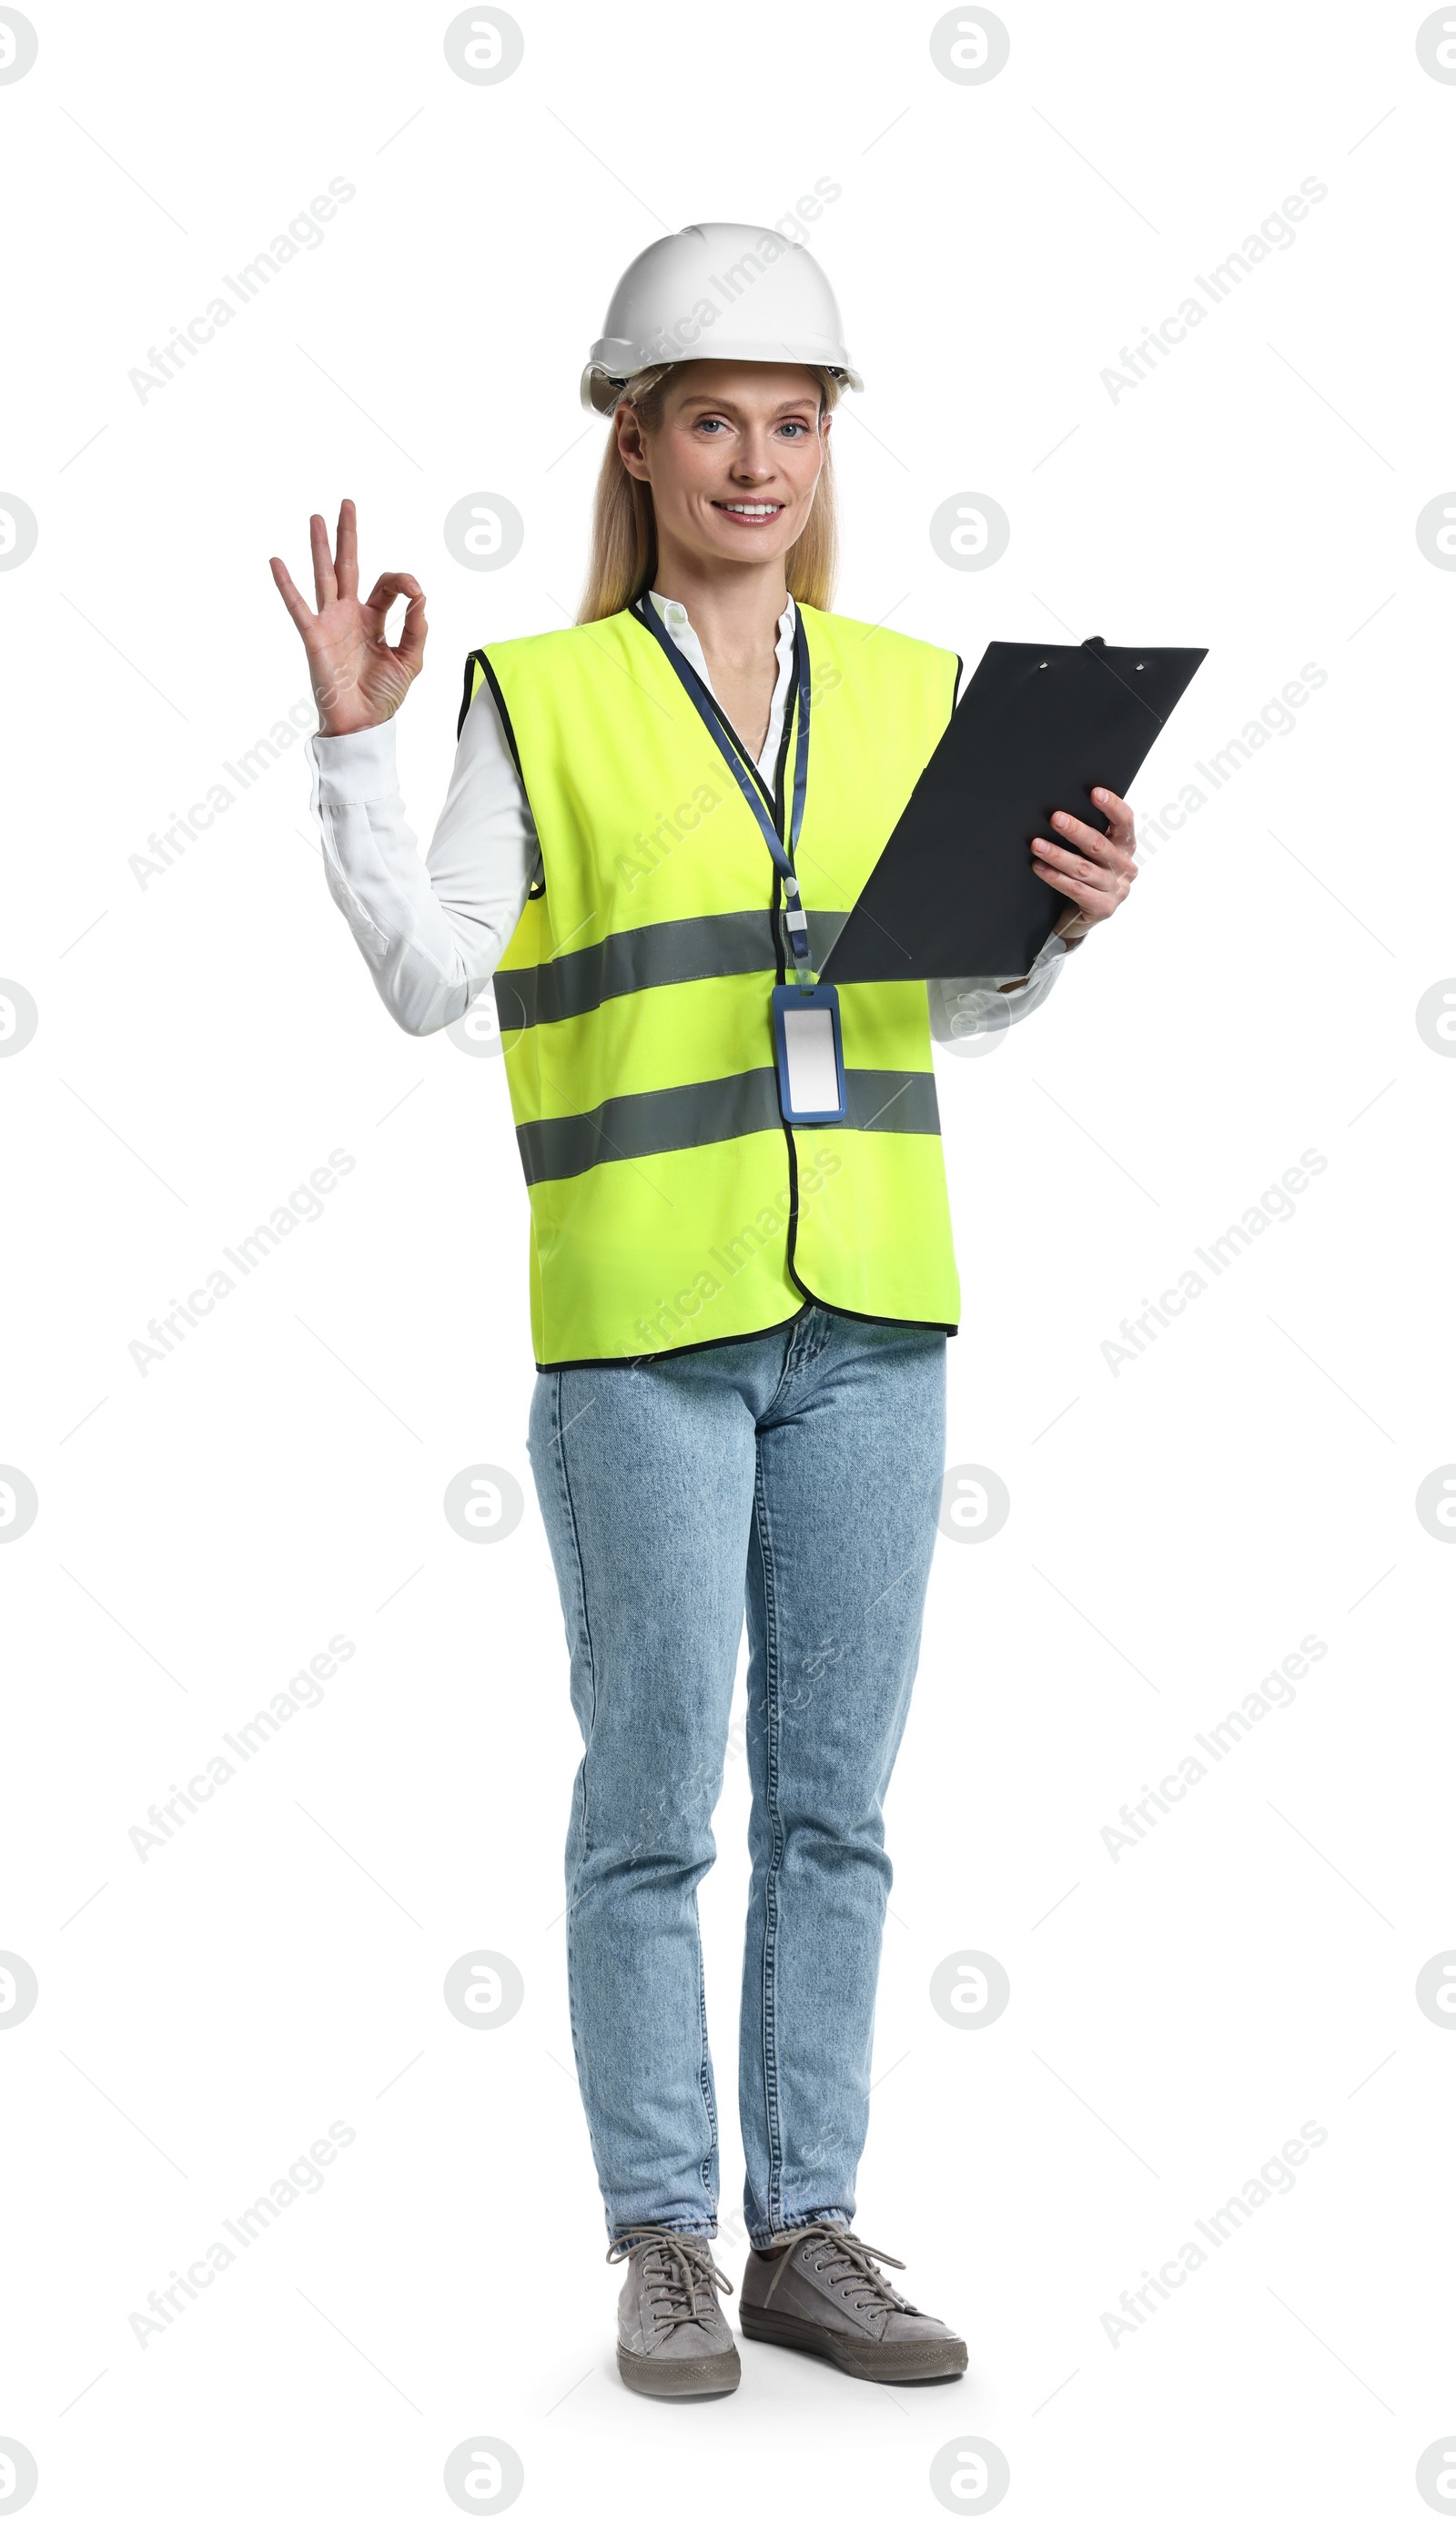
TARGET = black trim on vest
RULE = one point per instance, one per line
(782, 765)
(736, 1340)
(780, 967)
(477, 658)
(652, 1356)
(895, 1322)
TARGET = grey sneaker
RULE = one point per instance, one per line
(825, 2293)
(671, 2338)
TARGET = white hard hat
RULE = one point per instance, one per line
(720, 291)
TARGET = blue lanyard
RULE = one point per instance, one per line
(746, 774)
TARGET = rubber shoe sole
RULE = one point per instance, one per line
(873, 2360)
(680, 2378)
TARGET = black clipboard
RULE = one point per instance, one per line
(954, 892)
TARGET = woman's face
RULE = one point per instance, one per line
(734, 463)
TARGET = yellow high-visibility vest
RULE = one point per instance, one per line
(672, 1207)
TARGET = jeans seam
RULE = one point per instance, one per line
(795, 1355)
(705, 2080)
(773, 2128)
(558, 1439)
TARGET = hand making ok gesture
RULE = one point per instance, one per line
(358, 680)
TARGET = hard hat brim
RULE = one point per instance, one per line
(601, 390)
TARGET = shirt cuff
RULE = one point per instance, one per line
(353, 770)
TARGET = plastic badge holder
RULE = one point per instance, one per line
(810, 1055)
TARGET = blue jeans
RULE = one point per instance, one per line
(802, 1470)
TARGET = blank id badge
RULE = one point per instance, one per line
(811, 1059)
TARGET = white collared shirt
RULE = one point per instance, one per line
(675, 617)
(433, 930)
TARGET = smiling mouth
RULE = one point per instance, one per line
(750, 512)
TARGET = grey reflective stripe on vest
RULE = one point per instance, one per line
(717, 1108)
(708, 948)
(889, 1099)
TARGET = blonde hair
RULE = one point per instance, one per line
(624, 529)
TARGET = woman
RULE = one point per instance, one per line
(657, 819)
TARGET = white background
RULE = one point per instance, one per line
(204, 1040)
